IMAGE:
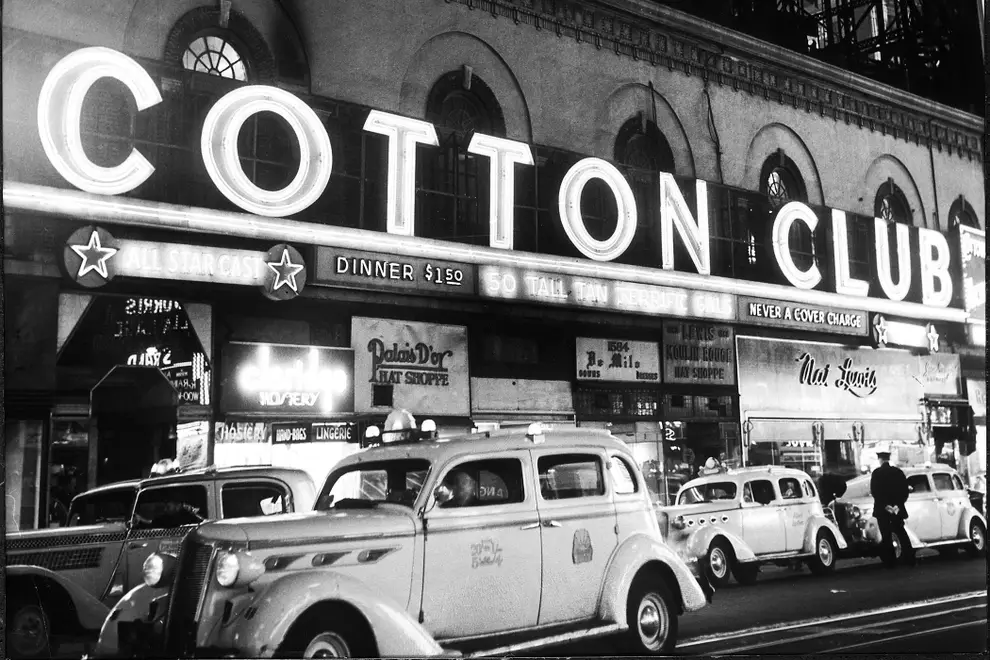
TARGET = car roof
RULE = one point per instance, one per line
(570, 437)
(203, 474)
(748, 472)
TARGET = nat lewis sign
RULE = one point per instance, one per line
(922, 256)
(368, 270)
(287, 379)
(755, 311)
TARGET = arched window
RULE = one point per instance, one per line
(642, 152)
(781, 182)
(216, 55)
(961, 213)
(220, 43)
(891, 205)
(453, 199)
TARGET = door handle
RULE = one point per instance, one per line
(530, 526)
(551, 523)
(137, 546)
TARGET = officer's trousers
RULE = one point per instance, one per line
(889, 525)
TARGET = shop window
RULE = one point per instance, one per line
(608, 403)
(23, 474)
(918, 483)
(170, 507)
(110, 506)
(245, 500)
(452, 203)
(943, 481)
(485, 483)
(621, 474)
(891, 204)
(790, 488)
(567, 476)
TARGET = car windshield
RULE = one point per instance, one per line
(368, 484)
(103, 507)
(709, 492)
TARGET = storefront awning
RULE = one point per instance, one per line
(802, 430)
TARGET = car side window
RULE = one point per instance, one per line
(957, 482)
(243, 500)
(760, 491)
(919, 483)
(110, 506)
(485, 483)
(623, 481)
(790, 488)
(566, 476)
(171, 506)
(942, 481)
(807, 488)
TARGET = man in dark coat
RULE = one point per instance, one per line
(890, 492)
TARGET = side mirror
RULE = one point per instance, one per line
(910, 489)
(443, 494)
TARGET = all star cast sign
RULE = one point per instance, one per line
(424, 365)
(93, 257)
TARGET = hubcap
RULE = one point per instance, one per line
(28, 632)
(327, 645)
(654, 624)
(896, 542)
(718, 563)
(825, 552)
(976, 534)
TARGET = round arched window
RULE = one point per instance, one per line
(962, 213)
(464, 103)
(216, 56)
(891, 205)
(781, 182)
(643, 149)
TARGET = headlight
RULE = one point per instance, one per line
(678, 523)
(855, 513)
(158, 569)
(228, 565)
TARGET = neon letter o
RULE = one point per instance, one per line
(569, 204)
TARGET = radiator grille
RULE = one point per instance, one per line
(190, 583)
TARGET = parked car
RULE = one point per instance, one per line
(733, 521)
(422, 547)
(940, 514)
(62, 582)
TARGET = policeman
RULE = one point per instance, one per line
(890, 492)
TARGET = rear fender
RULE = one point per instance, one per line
(142, 603)
(636, 552)
(90, 612)
(260, 629)
(818, 523)
(701, 540)
(968, 516)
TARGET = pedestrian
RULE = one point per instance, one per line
(889, 488)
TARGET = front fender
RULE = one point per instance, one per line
(89, 611)
(142, 605)
(636, 552)
(817, 523)
(696, 544)
(258, 631)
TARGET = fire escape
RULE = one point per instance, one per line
(932, 48)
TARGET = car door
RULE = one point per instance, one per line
(762, 517)
(579, 531)
(795, 509)
(923, 518)
(256, 497)
(482, 558)
(631, 513)
(952, 500)
(163, 515)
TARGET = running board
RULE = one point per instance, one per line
(563, 638)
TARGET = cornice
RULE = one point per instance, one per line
(646, 31)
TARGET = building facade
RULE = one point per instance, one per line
(239, 231)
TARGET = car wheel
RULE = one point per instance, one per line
(329, 632)
(977, 539)
(652, 616)
(746, 573)
(823, 560)
(718, 562)
(28, 632)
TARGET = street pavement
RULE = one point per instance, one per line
(858, 609)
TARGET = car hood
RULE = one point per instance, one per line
(320, 526)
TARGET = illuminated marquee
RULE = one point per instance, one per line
(64, 91)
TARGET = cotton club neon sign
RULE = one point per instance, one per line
(65, 88)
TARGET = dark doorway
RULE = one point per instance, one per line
(135, 413)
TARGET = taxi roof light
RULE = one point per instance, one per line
(536, 433)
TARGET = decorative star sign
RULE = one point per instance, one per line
(932, 338)
(94, 256)
(881, 327)
(285, 272)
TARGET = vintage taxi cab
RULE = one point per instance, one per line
(733, 521)
(61, 583)
(940, 514)
(485, 543)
